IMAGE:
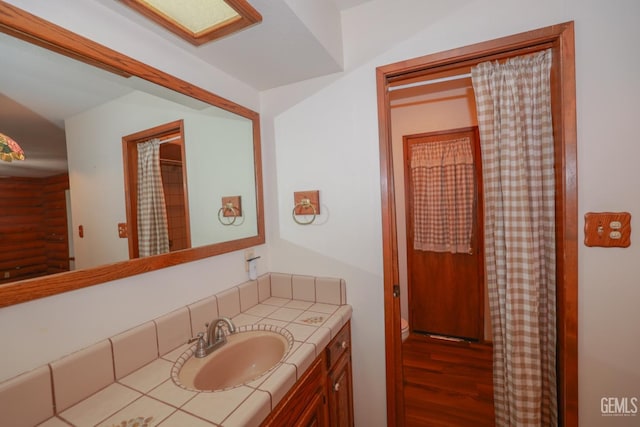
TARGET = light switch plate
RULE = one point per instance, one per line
(607, 229)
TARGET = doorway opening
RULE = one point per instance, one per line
(560, 39)
(174, 184)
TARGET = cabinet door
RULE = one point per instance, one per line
(315, 413)
(340, 393)
(305, 404)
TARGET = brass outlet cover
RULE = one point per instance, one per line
(122, 230)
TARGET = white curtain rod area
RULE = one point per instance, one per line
(162, 141)
(429, 82)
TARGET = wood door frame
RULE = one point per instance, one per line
(130, 166)
(560, 38)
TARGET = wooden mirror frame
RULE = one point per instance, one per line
(23, 25)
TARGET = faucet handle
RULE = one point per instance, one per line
(199, 337)
(201, 347)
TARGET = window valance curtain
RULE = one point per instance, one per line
(442, 177)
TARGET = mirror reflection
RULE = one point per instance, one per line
(73, 119)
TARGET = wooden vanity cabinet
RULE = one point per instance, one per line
(339, 382)
(323, 397)
(305, 405)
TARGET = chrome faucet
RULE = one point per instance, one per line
(216, 336)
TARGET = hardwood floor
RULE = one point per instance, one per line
(447, 383)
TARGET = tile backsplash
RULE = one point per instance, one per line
(174, 329)
(27, 399)
(81, 374)
(36, 396)
(134, 348)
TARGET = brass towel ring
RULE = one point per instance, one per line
(304, 204)
(226, 208)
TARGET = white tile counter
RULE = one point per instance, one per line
(126, 380)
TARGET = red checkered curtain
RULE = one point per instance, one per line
(153, 232)
(443, 188)
(514, 119)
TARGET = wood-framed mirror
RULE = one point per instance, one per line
(147, 82)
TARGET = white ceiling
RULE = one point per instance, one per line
(346, 4)
(295, 41)
(286, 47)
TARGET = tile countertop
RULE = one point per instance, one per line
(149, 397)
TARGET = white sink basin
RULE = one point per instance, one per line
(248, 354)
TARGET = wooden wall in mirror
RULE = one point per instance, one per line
(94, 149)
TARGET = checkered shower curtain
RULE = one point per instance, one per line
(514, 119)
(153, 231)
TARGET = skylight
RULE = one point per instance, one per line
(198, 21)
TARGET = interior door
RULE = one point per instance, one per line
(446, 290)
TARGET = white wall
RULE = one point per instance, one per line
(608, 89)
(320, 143)
(322, 134)
(218, 151)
